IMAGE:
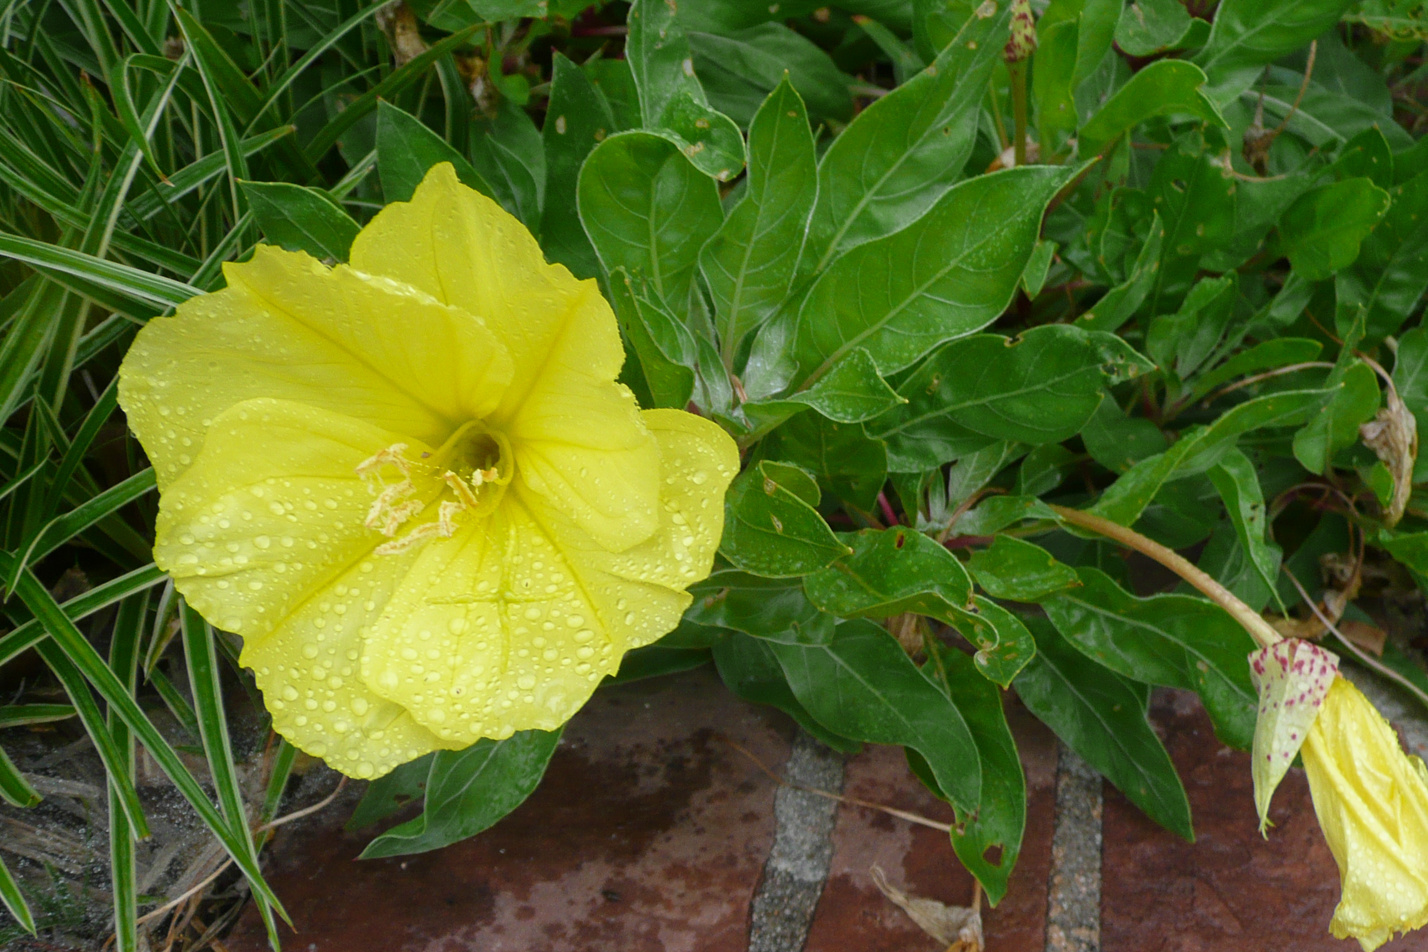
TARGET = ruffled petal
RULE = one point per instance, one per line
(577, 433)
(288, 328)
(1372, 803)
(264, 536)
(512, 623)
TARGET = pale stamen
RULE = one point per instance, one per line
(394, 505)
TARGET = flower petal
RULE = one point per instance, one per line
(1372, 803)
(577, 433)
(270, 512)
(288, 328)
(512, 623)
(264, 536)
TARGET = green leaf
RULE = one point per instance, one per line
(897, 158)
(1000, 819)
(1039, 388)
(1037, 266)
(1164, 88)
(1052, 87)
(1237, 482)
(1354, 401)
(1120, 303)
(1154, 26)
(14, 788)
(771, 527)
(863, 685)
(889, 572)
(655, 661)
(671, 97)
(750, 261)
(1179, 641)
(406, 151)
(1020, 571)
(1101, 716)
(648, 210)
(470, 790)
(301, 219)
(850, 392)
(846, 462)
(1280, 352)
(750, 669)
(663, 345)
(1391, 272)
(14, 900)
(947, 275)
(508, 154)
(773, 609)
(577, 118)
(738, 69)
(1247, 34)
(390, 792)
(1182, 341)
(151, 289)
(1322, 231)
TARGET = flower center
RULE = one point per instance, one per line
(468, 476)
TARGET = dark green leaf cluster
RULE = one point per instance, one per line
(1169, 268)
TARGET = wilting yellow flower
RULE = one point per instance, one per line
(1372, 803)
(413, 485)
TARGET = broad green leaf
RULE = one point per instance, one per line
(1164, 88)
(390, 792)
(1354, 400)
(1004, 646)
(888, 572)
(1280, 352)
(1322, 117)
(1201, 448)
(1182, 341)
(508, 154)
(971, 473)
(577, 118)
(738, 69)
(1322, 231)
(1179, 641)
(1052, 87)
(1237, 482)
(750, 261)
(1037, 266)
(770, 525)
(845, 461)
(1196, 200)
(1120, 303)
(898, 157)
(671, 97)
(648, 210)
(1247, 34)
(1152, 26)
(469, 790)
(750, 669)
(1020, 571)
(947, 275)
(663, 345)
(863, 685)
(850, 392)
(1000, 819)
(655, 661)
(1391, 272)
(407, 149)
(773, 609)
(1101, 716)
(301, 219)
(1039, 388)
(1410, 377)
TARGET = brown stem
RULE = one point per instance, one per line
(1259, 629)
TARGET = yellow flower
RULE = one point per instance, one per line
(413, 486)
(1372, 803)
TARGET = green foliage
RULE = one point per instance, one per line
(1177, 315)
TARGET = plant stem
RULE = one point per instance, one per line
(1259, 629)
(1018, 91)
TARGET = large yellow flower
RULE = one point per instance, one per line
(413, 486)
(1372, 803)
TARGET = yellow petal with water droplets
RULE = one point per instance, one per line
(577, 433)
(1372, 803)
(511, 624)
(288, 328)
(270, 512)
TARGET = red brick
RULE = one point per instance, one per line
(648, 834)
(1231, 890)
(853, 915)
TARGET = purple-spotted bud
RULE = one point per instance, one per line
(1023, 32)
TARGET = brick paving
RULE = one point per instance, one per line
(652, 834)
